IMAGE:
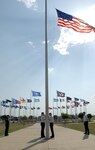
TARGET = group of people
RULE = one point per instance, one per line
(51, 123)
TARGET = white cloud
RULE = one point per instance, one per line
(28, 3)
(68, 37)
(51, 70)
(31, 43)
(44, 42)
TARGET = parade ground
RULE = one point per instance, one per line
(65, 139)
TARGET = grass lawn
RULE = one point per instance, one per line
(13, 127)
(80, 127)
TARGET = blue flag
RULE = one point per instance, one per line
(55, 99)
(14, 101)
(34, 93)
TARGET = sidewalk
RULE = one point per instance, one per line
(65, 139)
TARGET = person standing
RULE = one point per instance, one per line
(42, 125)
(6, 126)
(85, 120)
(51, 120)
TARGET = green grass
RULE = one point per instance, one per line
(13, 127)
(80, 127)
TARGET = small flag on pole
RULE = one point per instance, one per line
(49, 107)
(18, 102)
(62, 100)
(14, 101)
(55, 107)
(85, 103)
(22, 100)
(82, 100)
(69, 21)
(76, 99)
(68, 107)
(29, 100)
(38, 108)
(55, 99)
(60, 94)
(7, 100)
(63, 107)
(36, 100)
(34, 93)
(3, 103)
(68, 99)
(76, 104)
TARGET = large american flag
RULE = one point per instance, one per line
(69, 21)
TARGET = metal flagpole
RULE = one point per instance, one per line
(10, 108)
(66, 107)
(46, 74)
(0, 108)
(30, 103)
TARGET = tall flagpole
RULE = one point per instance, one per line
(46, 74)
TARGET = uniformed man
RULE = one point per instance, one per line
(6, 126)
(42, 125)
(51, 121)
(85, 120)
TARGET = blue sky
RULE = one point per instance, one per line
(70, 55)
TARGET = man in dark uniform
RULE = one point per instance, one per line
(6, 126)
(42, 125)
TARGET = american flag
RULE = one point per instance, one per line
(69, 21)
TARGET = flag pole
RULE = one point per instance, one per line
(46, 74)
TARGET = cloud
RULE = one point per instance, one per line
(51, 70)
(69, 38)
(44, 42)
(31, 44)
(28, 3)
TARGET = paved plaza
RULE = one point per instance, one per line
(65, 139)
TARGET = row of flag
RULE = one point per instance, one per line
(61, 95)
(22, 100)
(15, 101)
(20, 107)
(60, 98)
(21, 104)
(68, 100)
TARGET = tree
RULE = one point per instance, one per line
(55, 118)
(64, 116)
(80, 115)
(89, 117)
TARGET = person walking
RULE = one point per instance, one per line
(42, 125)
(51, 121)
(85, 120)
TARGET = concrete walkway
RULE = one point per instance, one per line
(65, 139)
